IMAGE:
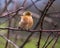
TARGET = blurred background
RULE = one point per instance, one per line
(51, 21)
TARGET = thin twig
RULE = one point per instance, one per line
(24, 3)
(5, 7)
(7, 15)
(47, 40)
(9, 41)
(31, 4)
(55, 41)
(51, 41)
(36, 6)
(9, 24)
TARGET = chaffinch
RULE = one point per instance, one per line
(26, 21)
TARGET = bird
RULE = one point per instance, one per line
(26, 21)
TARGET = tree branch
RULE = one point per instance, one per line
(56, 41)
(7, 15)
(5, 7)
(51, 40)
(16, 29)
(36, 6)
(24, 3)
(9, 41)
(43, 14)
(31, 4)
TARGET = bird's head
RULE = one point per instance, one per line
(27, 13)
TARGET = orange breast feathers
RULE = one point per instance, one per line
(26, 22)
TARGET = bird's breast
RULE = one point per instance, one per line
(26, 22)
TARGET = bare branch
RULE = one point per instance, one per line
(5, 7)
(43, 14)
(36, 6)
(51, 40)
(24, 3)
(18, 29)
(9, 41)
(55, 41)
(31, 4)
(47, 40)
(6, 45)
(7, 14)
